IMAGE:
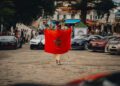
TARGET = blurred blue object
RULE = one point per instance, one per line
(72, 21)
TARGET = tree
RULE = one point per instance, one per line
(49, 7)
(104, 8)
(7, 12)
(30, 10)
(24, 11)
(101, 6)
(27, 11)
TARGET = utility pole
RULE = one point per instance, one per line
(1, 26)
(42, 13)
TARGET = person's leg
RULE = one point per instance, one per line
(57, 57)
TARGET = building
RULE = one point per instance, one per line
(65, 10)
(117, 14)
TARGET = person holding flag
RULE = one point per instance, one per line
(57, 41)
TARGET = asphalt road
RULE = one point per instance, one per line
(36, 66)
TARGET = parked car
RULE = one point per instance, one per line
(82, 42)
(37, 42)
(90, 38)
(99, 44)
(8, 42)
(113, 46)
(78, 43)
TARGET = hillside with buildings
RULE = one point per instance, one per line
(64, 10)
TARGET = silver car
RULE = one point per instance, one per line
(9, 42)
(113, 46)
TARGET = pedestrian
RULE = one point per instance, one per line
(32, 35)
(22, 36)
(57, 42)
(16, 32)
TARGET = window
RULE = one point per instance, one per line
(90, 17)
(57, 17)
(72, 16)
(64, 16)
(96, 17)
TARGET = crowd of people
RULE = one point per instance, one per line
(104, 29)
(21, 33)
(97, 28)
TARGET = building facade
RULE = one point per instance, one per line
(64, 10)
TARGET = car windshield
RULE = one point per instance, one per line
(97, 37)
(81, 37)
(6, 38)
(77, 39)
(117, 39)
(39, 37)
(110, 37)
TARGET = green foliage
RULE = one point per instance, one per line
(27, 11)
(24, 11)
(81, 24)
(7, 11)
(49, 7)
(104, 6)
(6, 8)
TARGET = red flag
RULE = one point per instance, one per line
(57, 41)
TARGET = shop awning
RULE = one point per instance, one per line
(72, 21)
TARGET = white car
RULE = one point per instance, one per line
(37, 42)
(113, 46)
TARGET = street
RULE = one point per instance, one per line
(36, 66)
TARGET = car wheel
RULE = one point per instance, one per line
(15, 46)
(86, 46)
(106, 50)
(94, 50)
(112, 53)
(40, 46)
(31, 47)
(20, 46)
